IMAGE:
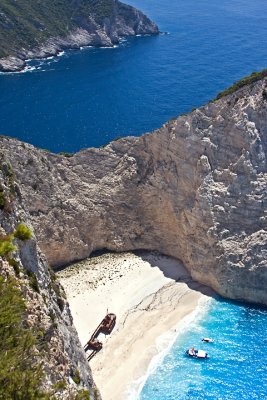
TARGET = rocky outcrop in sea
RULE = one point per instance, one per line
(194, 189)
(87, 30)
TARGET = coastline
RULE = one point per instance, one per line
(18, 65)
(153, 297)
(164, 344)
(86, 29)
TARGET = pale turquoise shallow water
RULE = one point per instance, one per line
(87, 98)
(237, 367)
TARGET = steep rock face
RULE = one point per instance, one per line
(48, 313)
(86, 28)
(194, 189)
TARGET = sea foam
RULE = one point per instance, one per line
(164, 344)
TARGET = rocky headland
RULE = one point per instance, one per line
(30, 31)
(194, 190)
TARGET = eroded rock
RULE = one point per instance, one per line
(194, 189)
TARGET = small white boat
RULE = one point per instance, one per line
(196, 353)
(208, 340)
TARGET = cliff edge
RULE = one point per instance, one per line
(30, 29)
(194, 189)
(41, 355)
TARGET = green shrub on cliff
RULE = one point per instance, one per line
(65, 154)
(22, 232)
(76, 377)
(20, 376)
(254, 77)
(83, 395)
(6, 247)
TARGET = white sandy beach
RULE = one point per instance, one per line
(150, 295)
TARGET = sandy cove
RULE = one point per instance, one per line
(150, 294)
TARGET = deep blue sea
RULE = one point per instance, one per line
(86, 98)
(237, 364)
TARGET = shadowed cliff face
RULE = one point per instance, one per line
(194, 189)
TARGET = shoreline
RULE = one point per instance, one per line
(164, 344)
(19, 64)
(26, 67)
(152, 296)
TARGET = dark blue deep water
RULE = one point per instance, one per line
(86, 98)
(236, 369)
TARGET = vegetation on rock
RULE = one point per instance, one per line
(20, 376)
(76, 377)
(23, 232)
(83, 395)
(254, 77)
(7, 246)
(28, 23)
(32, 346)
(66, 154)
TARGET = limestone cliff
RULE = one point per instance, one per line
(194, 189)
(66, 373)
(37, 30)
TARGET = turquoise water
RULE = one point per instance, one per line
(237, 367)
(86, 98)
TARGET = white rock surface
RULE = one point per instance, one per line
(194, 189)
